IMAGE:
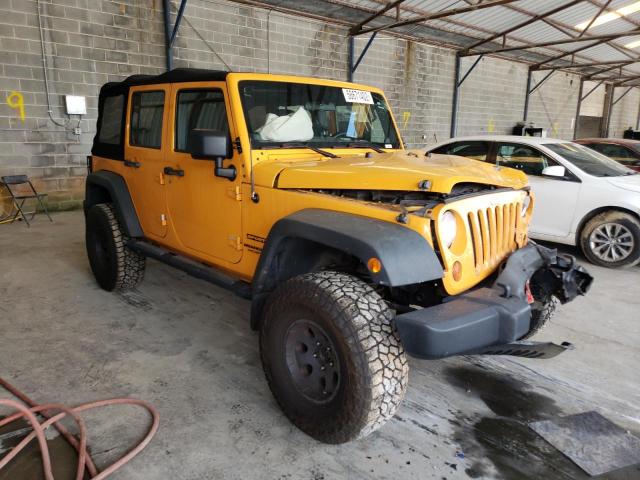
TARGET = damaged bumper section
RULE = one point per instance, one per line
(491, 320)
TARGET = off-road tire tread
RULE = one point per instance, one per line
(131, 265)
(381, 367)
(541, 313)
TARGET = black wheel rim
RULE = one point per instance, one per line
(312, 361)
(99, 242)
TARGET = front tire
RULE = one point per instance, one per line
(115, 266)
(332, 357)
(612, 239)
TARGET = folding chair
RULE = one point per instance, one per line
(19, 198)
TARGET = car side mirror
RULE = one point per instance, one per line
(556, 171)
(212, 145)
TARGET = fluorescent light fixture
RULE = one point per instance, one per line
(609, 16)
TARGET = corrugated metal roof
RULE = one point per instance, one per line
(463, 30)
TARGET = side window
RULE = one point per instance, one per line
(522, 157)
(198, 109)
(617, 152)
(146, 119)
(474, 150)
(111, 120)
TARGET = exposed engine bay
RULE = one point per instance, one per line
(410, 198)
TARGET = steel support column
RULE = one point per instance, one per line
(609, 106)
(350, 55)
(353, 64)
(456, 97)
(576, 121)
(531, 89)
(457, 83)
(171, 32)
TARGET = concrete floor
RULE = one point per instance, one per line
(186, 347)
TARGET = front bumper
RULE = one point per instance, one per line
(490, 320)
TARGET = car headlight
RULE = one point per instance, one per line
(448, 228)
(525, 205)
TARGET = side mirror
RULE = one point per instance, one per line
(212, 145)
(557, 171)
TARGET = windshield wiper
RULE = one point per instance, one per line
(304, 145)
(361, 142)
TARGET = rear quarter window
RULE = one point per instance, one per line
(111, 120)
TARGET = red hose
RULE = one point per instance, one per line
(84, 460)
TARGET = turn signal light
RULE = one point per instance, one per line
(457, 271)
(374, 265)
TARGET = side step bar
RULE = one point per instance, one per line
(191, 267)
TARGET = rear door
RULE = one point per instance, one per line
(555, 198)
(145, 149)
(205, 210)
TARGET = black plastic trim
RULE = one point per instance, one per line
(193, 268)
(406, 257)
(99, 182)
(492, 316)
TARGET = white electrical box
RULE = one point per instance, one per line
(75, 105)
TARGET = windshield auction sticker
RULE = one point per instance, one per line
(357, 96)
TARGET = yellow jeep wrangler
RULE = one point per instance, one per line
(297, 193)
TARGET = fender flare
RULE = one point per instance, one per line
(406, 257)
(118, 193)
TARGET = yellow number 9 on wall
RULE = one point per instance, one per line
(16, 101)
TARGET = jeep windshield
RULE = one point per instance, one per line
(299, 115)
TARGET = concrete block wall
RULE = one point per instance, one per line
(624, 113)
(553, 105)
(90, 42)
(491, 97)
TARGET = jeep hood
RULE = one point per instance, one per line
(387, 171)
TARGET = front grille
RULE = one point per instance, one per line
(493, 232)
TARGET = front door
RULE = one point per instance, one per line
(145, 148)
(555, 198)
(205, 210)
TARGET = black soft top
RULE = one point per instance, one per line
(115, 151)
(176, 75)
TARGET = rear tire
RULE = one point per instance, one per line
(115, 266)
(332, 357)
(612, 239)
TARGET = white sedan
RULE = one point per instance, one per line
(582, 197)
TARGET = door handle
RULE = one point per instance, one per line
(132, 164)
(173, 171)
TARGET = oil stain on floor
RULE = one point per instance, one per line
(504, 439)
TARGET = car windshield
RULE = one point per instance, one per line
(283, 114)
(589, 161)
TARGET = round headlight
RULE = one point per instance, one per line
(525, 205)
(448, 228)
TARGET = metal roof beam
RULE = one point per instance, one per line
(604, 70)
(616, 63)
(628, 79)
(570, 52)
(603, 38)
(435, 16)
(602, 9)
(521, 25)
(355, 30)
